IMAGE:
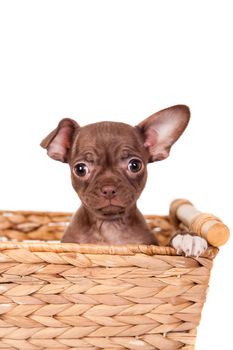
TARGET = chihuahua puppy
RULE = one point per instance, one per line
(108, 163)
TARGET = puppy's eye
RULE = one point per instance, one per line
(81, 169)
(135, 165)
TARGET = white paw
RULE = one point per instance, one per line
(189, 245)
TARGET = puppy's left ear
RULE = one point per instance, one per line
(162, 129)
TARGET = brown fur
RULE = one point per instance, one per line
(109, 189)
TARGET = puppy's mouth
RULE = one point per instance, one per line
(111, 212)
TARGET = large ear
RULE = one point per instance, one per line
(59, 141)
(162, 129)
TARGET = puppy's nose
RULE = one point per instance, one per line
(109, 191)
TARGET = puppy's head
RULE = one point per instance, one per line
(108, 160)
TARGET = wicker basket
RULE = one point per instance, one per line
(67, 296)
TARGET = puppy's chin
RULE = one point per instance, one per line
(110, 212)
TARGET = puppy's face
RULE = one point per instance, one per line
(108, 166)
(108, 160)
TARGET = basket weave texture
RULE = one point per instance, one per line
(67, 296)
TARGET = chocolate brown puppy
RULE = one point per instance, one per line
(108, 163)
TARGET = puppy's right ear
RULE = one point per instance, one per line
(59, 141)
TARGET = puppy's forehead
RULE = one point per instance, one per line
(109, 133)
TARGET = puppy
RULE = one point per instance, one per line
(108, 163)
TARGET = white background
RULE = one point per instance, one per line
(122, 61)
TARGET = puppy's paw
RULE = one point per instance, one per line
(189, 244)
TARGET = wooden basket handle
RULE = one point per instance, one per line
(207, 226)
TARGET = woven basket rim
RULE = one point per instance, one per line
(132, 249)
(57, 247)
